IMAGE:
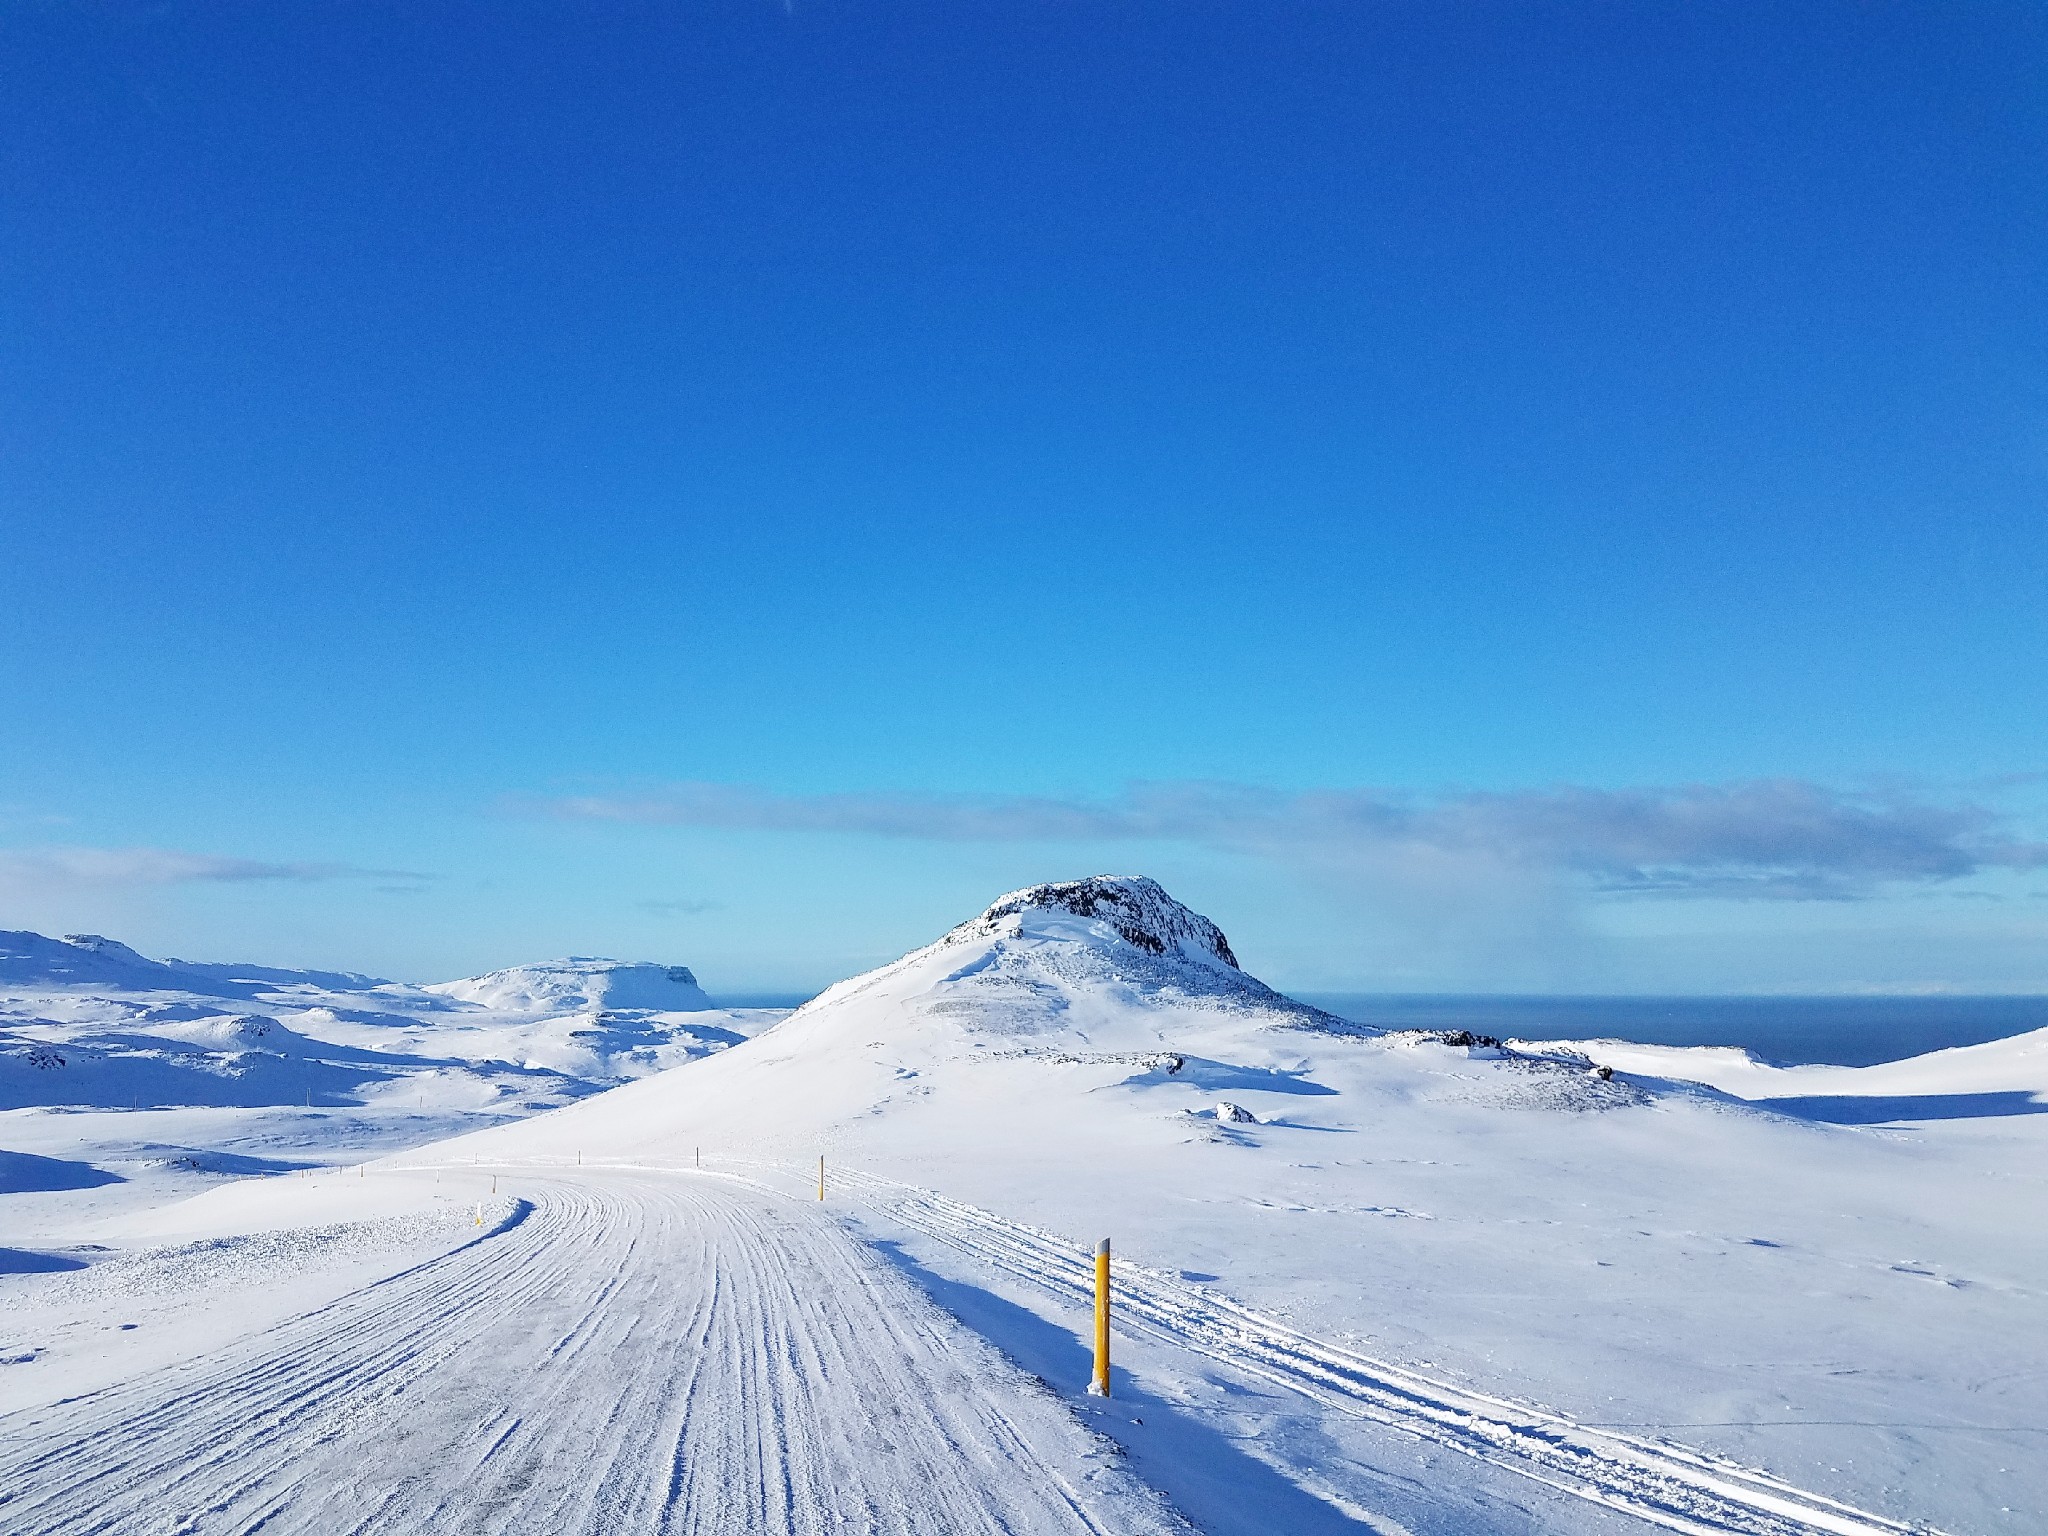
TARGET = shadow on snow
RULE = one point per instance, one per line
(1222, 1489)
(1858, 1109)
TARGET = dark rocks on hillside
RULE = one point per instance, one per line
(1138, 908)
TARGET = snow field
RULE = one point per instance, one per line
(1667, 1485)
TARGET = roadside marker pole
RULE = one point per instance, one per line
(700, 1158)
(1100, 1385)
(821, 1175)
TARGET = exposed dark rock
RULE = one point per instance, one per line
(1135, 907)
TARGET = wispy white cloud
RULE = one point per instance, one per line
(1761, 839)
(104, 868)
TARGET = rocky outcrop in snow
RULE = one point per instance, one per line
(1134, 908)
(1044, 961)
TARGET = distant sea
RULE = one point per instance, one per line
(1838, 1031)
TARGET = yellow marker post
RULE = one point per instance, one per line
(1100, 1385)
(821, 1175)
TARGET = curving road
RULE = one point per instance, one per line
(632, 1353)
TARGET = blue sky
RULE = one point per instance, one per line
(1474, 497)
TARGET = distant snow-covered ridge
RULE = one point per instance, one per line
(88, 960)
(89, 1022)
(581, 982)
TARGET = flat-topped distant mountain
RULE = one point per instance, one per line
(578, 983)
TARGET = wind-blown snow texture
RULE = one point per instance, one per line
(1405, 1282)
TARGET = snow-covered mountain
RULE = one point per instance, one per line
(579, 984)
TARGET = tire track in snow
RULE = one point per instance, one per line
(1666, 1484)
(646, 1354)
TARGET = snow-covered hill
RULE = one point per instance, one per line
(1103, 995)
(1108, 953)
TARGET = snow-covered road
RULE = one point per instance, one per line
(625, 1352)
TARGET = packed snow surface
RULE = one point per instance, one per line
(616, 1352)
(1423, 1283)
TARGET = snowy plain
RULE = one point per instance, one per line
(1407, 1281)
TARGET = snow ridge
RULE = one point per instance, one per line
(79, 959)
(91, 960)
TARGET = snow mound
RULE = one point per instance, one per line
(1223, 1112)
(225, 1031)
(581, 984)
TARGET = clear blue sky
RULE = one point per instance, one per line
(1473, 496)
